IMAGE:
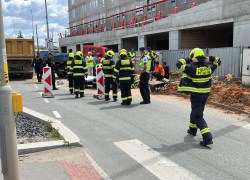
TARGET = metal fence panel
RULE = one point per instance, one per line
(230, 58)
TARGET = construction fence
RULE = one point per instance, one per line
(231, 59)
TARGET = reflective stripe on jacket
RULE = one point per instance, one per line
(79, 68)
(124, 68)
(160, 69)
(197, 77)
(107, 67)
(141, 65)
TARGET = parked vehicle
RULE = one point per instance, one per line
(20, 53)
(94, 49)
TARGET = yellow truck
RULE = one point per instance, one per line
(20, 53)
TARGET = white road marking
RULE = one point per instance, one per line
(57, 114)
(45, 99)
(36, 86)
(160, 166)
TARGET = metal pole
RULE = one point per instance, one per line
(32, 24)
(47, 22)
(9, 156)
(37, 39)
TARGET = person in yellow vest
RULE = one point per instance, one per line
(153, 57)
(69, 72)
(132, 56)
(145, 70)
(90, 63)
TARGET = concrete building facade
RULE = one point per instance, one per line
(210, 24)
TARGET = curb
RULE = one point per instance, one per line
(66, 133)
(217, 104)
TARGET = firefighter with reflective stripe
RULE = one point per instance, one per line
(69, 72)
(90, 63)
(107, 66)
(79, 70)
(196, 80)
(37, 64)
(145, 70)
(125, 70)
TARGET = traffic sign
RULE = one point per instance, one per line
(100, 80)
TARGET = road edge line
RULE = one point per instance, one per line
(97, 167)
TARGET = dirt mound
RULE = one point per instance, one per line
(228, 79)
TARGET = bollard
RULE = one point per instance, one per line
(9, 154)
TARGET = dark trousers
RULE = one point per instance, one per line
(144, 88)
(110, 84)
(158, 76)
(79, 82)
(53, 80)
(167, 76)
(196, 117)
(39, 73)
(126, 93)
(70, 79)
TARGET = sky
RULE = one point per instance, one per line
(17, 16)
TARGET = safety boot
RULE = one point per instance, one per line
(107, 99)
(190, 132)
(71, 91)
(76, 96)
(206, 142)
(81, 95)
(115, 99)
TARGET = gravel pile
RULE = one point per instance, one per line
(29, 130)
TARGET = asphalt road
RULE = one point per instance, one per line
(106, 128)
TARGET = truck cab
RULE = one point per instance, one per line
(94, 49)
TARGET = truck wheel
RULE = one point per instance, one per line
(62, 75)
(30, 76)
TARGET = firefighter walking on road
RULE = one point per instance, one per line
(69, 72)
(107, 66)
(196, 80)
(37, 64)
(126, 71)
(79, 70)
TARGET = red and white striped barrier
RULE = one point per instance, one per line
(47, 80)
(100, 80)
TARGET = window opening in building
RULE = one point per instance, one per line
(96, 4)
(140, 11)
(118, 16)
(111, 1)
(83, 9)
(72, 2)
(104, 20)
(93, 5)
(73, 13)
(95, 21)
(123, 16)
(74, 26)
(88, 23)
(100, 19)
(183, 1)
(103, 3)
(90, 7)
(83, 23)
(151, 8)
(173, 2)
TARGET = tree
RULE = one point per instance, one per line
(20, 35)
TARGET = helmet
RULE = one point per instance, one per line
(79, 53)
(71, 55)
(110, 53)
(123, 52)
(196, 52)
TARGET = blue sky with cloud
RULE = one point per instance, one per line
(17, 16)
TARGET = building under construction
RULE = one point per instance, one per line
(162, 24)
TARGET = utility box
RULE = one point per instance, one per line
(246, 67)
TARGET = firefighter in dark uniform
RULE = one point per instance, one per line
(37, 62)
(144, 67)
(107, 66)
(79, 70)
(124, 68)
(69, 72)
(196, 80)
(50, 63)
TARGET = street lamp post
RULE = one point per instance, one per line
(8, 144)
(47, 23)
(32, 24)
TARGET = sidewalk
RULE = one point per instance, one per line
(69, 163)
